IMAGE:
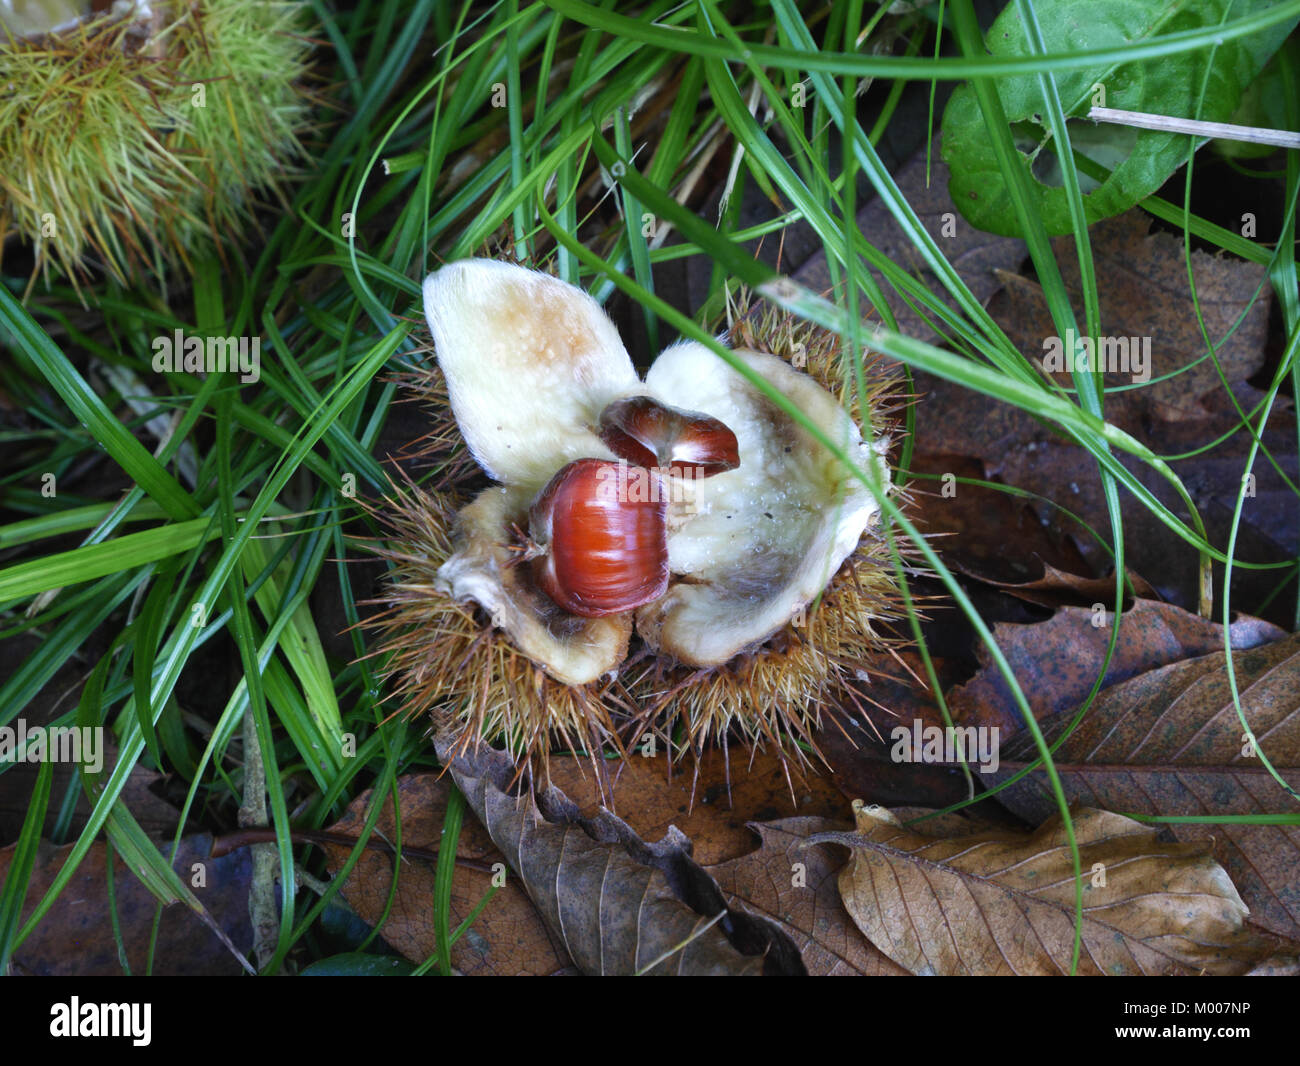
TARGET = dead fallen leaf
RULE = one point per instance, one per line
(1056, 588)
(1142, 292)
(1169, 742)
(618, 904)
(507, 938)
(1018, 450)
(795, 888)
(973, 254)
(972, 526)
(1034, 456)
(1003, 903)
(1277, 966)
(858, 751)
(713, 814)
(75, 938)
(1057, 661)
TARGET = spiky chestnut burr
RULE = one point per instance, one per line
(136, 138)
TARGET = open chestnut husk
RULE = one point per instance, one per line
(777, 572)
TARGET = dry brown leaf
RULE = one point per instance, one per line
(76, 937)
(1142, 291)
(1031, 455)
(795, 887)
(618, 904)
(972, 526)
(1056, 588)
(1277, 966)
(1169, 742)
(650, 796)
(858, 750)
(1003, 903)
(976, 256)
(1057, 661)
(508, 938)
(1270, 518)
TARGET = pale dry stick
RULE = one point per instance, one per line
(1197, 128)
(262, 910)
(140, 398)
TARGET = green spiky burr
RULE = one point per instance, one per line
(135, 138)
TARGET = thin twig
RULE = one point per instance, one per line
(1196, 127)
(252, 814)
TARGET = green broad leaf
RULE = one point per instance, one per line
(1263, 104)
(1139, 160)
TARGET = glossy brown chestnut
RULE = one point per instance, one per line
(686, 443)
(603, 549)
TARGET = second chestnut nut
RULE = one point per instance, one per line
(685, 443)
